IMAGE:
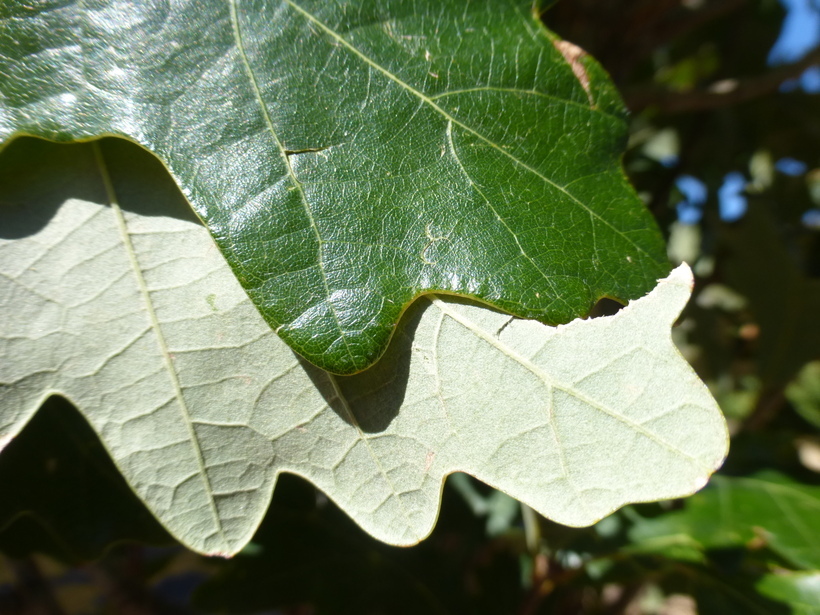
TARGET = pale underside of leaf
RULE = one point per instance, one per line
(138, 320)
(348, 157)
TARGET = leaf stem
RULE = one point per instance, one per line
(532, 530)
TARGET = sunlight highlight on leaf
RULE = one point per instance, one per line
(324, 144)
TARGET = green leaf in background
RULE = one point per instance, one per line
(768, 510)
(804, 393)
(350, 156)
(721, 593)
(800, 590)
(137, 319)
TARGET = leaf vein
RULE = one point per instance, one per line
(291, 174)
(552, 382)
(336, 36)
(155, 325)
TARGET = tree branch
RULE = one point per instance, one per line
(725, 93)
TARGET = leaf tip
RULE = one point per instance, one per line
(666, 301)
(681, 275)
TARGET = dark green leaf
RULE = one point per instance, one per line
(765, 510)
(719, 593)
(350, 156)
(804, 393)
(800, 590)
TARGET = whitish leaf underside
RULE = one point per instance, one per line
(138, 320)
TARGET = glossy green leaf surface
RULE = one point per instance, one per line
(770, 510)
(350, 156)
(136, 317)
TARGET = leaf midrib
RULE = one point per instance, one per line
(283, 152)
(113, 202)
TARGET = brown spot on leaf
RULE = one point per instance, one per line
(573, 54)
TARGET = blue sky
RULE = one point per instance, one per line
(800, 32)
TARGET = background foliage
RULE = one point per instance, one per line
(725, 150)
